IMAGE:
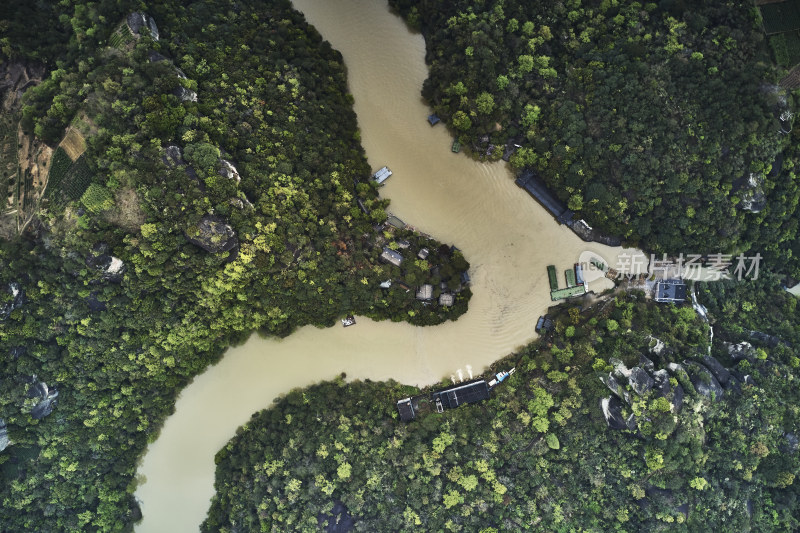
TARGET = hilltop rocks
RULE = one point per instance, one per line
(704, 381)
(640, 381)
(213, 234)
(17, 297)
(46, 397)
(140, 21)
(720, 372)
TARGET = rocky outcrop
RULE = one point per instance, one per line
(742, 350)
(184, 94)
(720, 372)
(47, 399)
(612, 411)
(640, 381)
(141, 22)
(213, 234)
(13, 299)
(704, 381)
(112, 268)
(227, 170)
(15, 78)
(752, 196)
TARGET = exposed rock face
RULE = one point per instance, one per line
(213, 234)
(640, 381)
(46, 397)
(184, 94)
(611, 382)
(173, 157)
(676, 402)
(612, 411)
(770, 340)
(704, 381)
(720, 372)
(139, 22)
(753, 198)
(646, 363)
(113, 268)
(4, 441)
(742, 350)
(661, 383)
(227, 170)
(15, 301)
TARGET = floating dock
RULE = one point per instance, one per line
(569, 292)
(382, 175)
(456, 146)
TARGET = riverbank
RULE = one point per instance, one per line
(508, 239)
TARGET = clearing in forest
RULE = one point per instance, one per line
(73, 143)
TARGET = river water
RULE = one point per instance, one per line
(507, 237)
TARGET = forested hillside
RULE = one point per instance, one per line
(618, 421)
(659, 122)
(211, 184)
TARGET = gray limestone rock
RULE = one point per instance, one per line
(112, 268)
(184, 94)
(646, 363)
(139, 22)
(213, 234)
(676, 401)
(46, 397)
(742, 350)
(720, 372)
(704, 381)
(661, 383)
(612, 411)
(227, 170)
(640, 381)
(613, 385)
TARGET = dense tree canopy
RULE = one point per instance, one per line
(658, 122)
(539, 456)
(223, 190)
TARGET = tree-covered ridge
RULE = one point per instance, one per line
(226, 191)
(539, 455)
(648, 119)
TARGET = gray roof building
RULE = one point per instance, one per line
(670, 290)
(390, 256)
(425, 292)
(446, 299)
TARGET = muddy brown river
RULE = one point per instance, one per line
(507, 237)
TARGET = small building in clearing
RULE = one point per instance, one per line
(670, 290)
(391, 256)
(423, 253)
(406, 409)
(425, 292)
(446, 299)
